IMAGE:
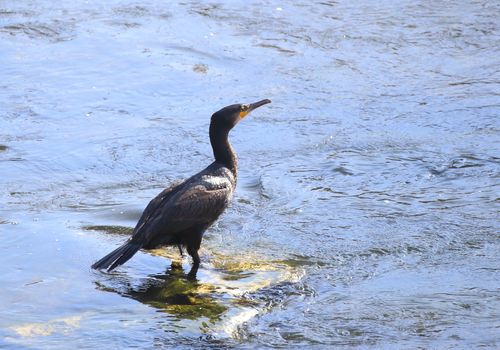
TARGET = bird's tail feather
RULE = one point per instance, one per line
(118, 256)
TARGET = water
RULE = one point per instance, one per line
(366, 213)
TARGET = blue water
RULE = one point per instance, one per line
(367, 208)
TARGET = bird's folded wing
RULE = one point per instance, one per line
(200, 204)
(152, 209)
(190, 208)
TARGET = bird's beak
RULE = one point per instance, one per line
(253, 106)
(258, 104)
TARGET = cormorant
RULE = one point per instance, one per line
(182, 212)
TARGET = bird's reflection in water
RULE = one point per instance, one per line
(227, 292)
(172, 292)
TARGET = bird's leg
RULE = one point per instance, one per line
(196, 262)
(180, 250)
(178, 264)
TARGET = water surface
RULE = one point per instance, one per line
(367, 207)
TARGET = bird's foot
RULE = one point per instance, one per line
(176, 265)
(192, 273)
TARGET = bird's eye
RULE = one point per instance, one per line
(245, 107)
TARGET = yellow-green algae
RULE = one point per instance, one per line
(217, 302)
(121, 230)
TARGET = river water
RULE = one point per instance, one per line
(367, 208)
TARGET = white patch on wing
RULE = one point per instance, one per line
(216, 182)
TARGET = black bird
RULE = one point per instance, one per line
(182, 212)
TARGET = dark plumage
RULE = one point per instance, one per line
(181, 213)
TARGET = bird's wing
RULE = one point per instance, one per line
(200, 204)
(156, 203)
(195, 205)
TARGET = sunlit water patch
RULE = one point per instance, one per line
(228, 292)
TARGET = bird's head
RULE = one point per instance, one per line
(229, 116)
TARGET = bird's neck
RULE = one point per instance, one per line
(223, 152)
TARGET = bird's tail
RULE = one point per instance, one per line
(118, 256)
